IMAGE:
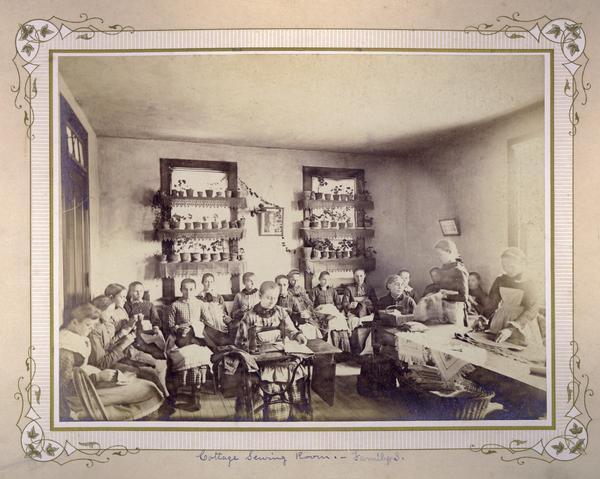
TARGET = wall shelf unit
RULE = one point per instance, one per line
(233, 203)
(192, 268)
(320, 233)
(315, 266)
(314, 204)
(216, 233)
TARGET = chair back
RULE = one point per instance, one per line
(87, 394)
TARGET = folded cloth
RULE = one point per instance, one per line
(190, 356)
(233, 355)
(336, 321)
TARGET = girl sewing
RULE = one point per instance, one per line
(265, 325)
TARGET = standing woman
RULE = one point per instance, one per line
(454, 282)
(513, 302)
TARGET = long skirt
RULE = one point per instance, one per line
(274, 401)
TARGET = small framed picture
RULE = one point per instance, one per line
(450, 227)
(271, 222)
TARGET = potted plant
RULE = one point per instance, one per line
(308, 249)
(338, 252)
(313, 195)
(189, 224)
(313, 221)
(178, 188)
(160, 256)
(177, 222)
(219, 194)
(197, 225)
(215, 222)
(368, 222)
(232, 224)
(307, 194)
(195, 249)
(241, 222)
(189, 192)
(324, 220)
(327, 196)
(209, 193)
(166, 225)
(336, 193)
(349, 193)
(241, 254)
(214, 251)
(322, 182)
(204, 255)
(329, 213)
(173, 258)
(224, 254)
(316, 251)
(306, 223)
(205, 223)
(346, 246)
(224, 224)
(183, 246)
(228, 193)
(201, 194)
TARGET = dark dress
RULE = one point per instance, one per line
(455, 277)
(403, 303)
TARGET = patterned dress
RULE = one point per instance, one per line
(277, 380)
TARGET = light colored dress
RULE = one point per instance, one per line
(132, 398)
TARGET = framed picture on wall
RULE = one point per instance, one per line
(450, 227)
(271, 222)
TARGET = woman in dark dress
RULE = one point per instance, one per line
(513, 305)
(454, 284)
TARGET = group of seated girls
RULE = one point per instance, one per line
(136, 360)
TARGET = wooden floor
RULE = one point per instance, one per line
(348, 404)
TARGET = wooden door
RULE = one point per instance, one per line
(75, 224)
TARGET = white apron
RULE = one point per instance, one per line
(510, 309)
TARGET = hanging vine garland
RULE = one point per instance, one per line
(261, 208)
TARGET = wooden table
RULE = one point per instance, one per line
(440, 337)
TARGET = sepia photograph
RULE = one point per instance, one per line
(309, 238)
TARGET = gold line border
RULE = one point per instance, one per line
(315, 49)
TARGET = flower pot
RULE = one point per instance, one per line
(166, 225)
(174, 258)
(349, 224)
(214, 225)
(174, 193)
(324, 224)
(333, 224)
(205, 225)
(196, 257)
(341, 225)
(189, 192)
(336, 197)
(209, 193)
(345, 254)
(224, 256)
(228, 193)
(316, 254)
(215, 257)
(319, 196)
(162, 258)
(313, 195)
(338, 254)
(314, 224)
(307, 251)
(343, 197)
(351, 197)
(368, 223)
(331, 254)
(189, 226)
(232, 224)
(241, 222)
(186, 257)
(224, 224)
(201, 194)
(197, 225)
(204, 257)
(327, 196)
(219, 194)
(307, 194)
(177, 225)
(305, 223)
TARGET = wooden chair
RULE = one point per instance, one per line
(87, 394)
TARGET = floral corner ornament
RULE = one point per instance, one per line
(28, 39)
(37, 446)
(567, 446)
(567, 33)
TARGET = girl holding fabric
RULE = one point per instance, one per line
(513, 302)
(123, 397)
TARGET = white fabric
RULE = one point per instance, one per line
(190, 356)
(75, 343)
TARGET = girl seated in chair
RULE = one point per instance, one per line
(280, 390)
(122, 397)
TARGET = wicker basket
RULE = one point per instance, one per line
(471, 404)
